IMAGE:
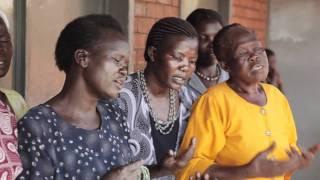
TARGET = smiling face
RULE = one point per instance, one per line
(207, 30)
(5, 49)
(108, 66)
(175, 61)
(250, 63)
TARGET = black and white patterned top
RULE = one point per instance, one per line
(52, 148)
(139, 120)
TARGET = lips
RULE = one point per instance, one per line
(257, 67)
(119, 82)
(178, 80)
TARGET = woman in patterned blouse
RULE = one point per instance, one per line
(74, 135)
(12, 106)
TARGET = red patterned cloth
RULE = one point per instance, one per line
(10, 163)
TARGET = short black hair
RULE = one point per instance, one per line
(82, 33)
(201, 14)
(167, 27)
(269, 52)
(224, 42)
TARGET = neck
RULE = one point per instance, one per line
(210, 71)
(74, 97)
(244, 87)
(154, 85)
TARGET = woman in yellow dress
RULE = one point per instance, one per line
(244, 128)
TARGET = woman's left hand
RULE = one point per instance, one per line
(308, 156)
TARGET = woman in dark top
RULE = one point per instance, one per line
(74, 135)
(154, 109)
(208, 72)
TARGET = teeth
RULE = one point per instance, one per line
(258, 67)
(179, 79)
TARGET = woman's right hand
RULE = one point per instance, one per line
(125, 172)
(261, 166)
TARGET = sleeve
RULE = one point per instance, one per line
(17, 102)
(206, 125)
(33, 150)
(128, 103)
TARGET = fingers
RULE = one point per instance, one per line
(135, 173)
(171, 153)
(314, 149)
(308, 155)
(184, 157)
(199, 177)
(206, 177)
(133, 166)
(266, 152)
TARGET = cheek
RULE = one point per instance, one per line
(105, 73)
(172, 67)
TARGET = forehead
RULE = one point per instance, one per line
(112, 41)
(180, 42)
(240, 38)
(249, 44)
(111, 46)
(208, 25)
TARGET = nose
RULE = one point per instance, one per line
(124, 70)
(253, 57)
(185, 65)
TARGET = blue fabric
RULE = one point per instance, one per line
(52, 148)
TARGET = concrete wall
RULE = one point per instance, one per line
(294, 35)
(45, 20)
(188, 6)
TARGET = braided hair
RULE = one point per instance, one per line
(83, 33)
(225, 42)
(201, 14)
(167, 27)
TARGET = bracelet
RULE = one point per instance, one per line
(145, 174)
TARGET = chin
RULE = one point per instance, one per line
(3, 73)
(175, 86)
(111, 94)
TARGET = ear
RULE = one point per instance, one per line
(225, 66)
(151, 53)
(81, 57)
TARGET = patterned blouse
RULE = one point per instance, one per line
(10, 164)
(51, 148)
(137, 110)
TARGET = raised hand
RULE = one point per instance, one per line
(308, 156)
(125, 172)
(173, 162)
(261, 166)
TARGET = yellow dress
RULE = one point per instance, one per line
(231, 131)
